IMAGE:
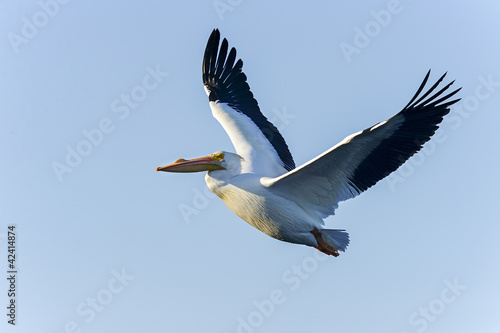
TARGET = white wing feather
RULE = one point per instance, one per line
(324, 181)
(259, 155)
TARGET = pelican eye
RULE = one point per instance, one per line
(217, 157)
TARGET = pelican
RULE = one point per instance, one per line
(261, 184)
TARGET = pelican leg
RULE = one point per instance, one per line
(322, 245)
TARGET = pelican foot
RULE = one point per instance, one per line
(322, 245)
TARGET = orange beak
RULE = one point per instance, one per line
(205, 163)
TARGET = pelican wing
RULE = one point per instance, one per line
(234, 106)
(362, 159)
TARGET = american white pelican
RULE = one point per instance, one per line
(261, 184)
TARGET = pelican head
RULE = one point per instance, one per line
(220, 160)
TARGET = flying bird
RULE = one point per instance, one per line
(260, 182)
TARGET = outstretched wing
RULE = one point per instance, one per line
(233, 105)
(364, 158)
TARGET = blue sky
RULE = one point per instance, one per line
(94, 96)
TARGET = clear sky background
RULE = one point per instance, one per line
(95, 95)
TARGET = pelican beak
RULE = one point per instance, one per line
(205, 163)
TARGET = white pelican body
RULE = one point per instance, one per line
(261, 184)
(263, 209)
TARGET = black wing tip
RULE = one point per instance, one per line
(215, 34)
(222, 74)
(218, 64)
(214, 38)
(419, 101)
(225, 82)
(421, 119)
